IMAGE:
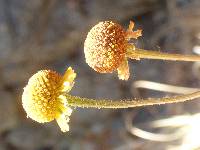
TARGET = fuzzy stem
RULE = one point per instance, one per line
(136, 53)
(103, 103)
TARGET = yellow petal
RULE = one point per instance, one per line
(123, 70)
(67, 80)
(68, 111)
(62, 121)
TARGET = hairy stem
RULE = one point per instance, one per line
(103, 103)
(136, 53)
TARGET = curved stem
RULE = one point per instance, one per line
(163, 87)
(136, 53)
(103, 103)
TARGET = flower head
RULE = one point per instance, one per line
(106, 45)
(42, 97)
(45, 98)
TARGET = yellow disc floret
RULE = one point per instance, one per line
(105, 46)
(42, 98)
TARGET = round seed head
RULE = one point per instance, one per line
(105, 46)
(40, 96)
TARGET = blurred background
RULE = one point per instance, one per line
(49, 34)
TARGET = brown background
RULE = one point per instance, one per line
(49, 34)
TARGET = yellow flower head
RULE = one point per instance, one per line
(42, 97)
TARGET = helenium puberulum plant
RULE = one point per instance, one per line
(107, 48)
(46, 98)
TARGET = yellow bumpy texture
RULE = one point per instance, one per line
(40, 97)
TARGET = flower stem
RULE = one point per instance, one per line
(164, 87)
(136, 53)
(103, 103)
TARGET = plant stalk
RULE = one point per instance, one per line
(103, 103)
(136, 53)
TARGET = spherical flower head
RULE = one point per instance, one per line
(43, 100)
(105, 46)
